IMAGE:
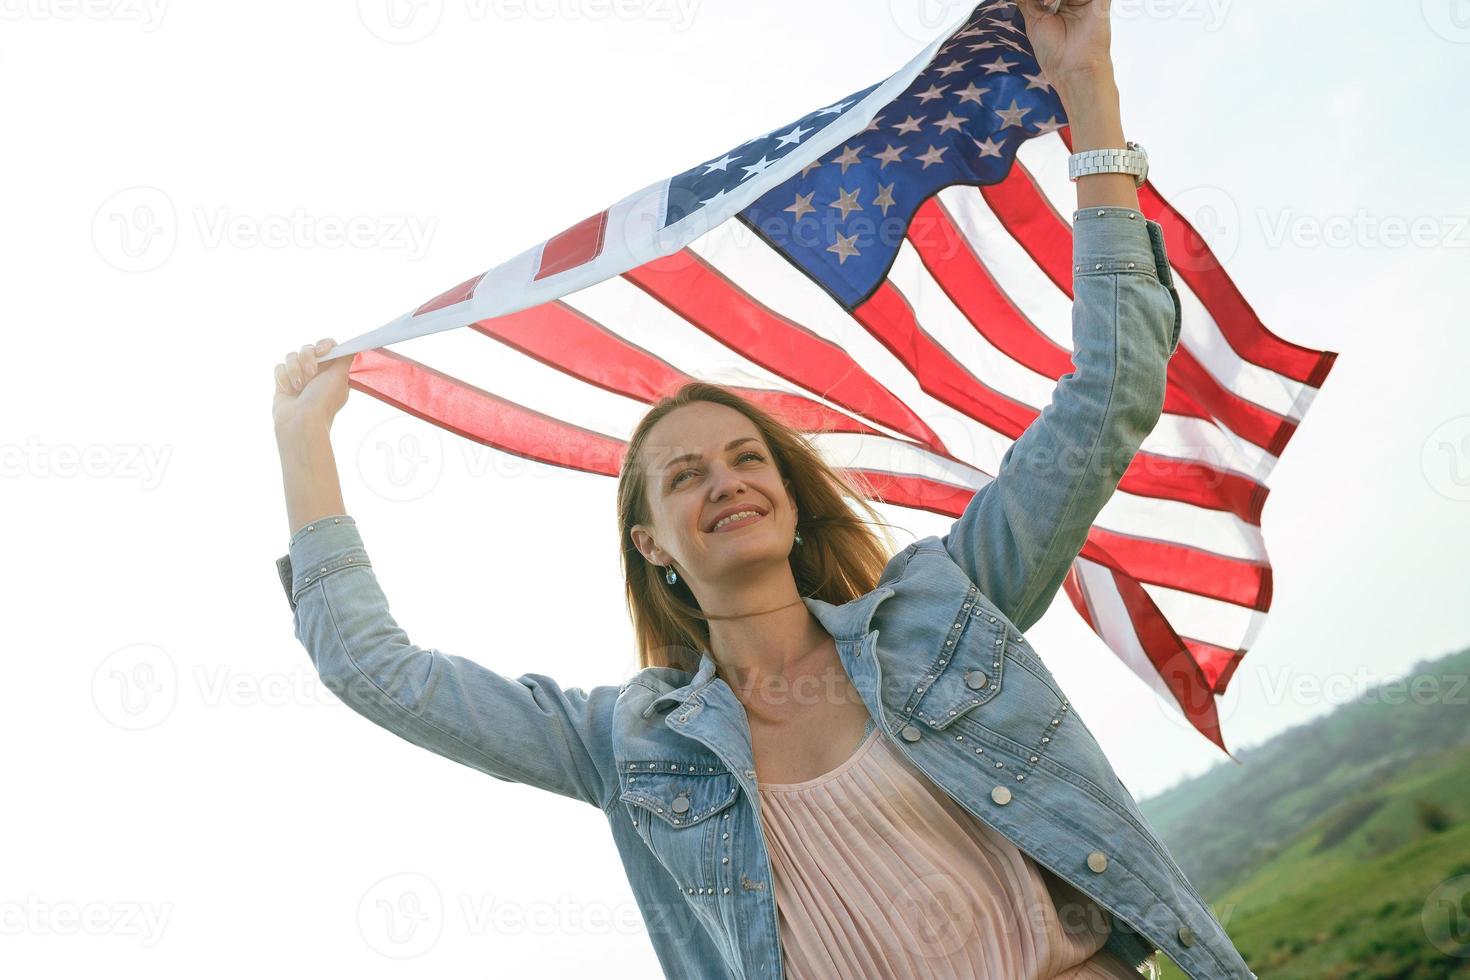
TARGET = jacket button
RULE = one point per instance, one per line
(910, 733)
(681, 803)
(976, 679)
(1001, 795)
(1097, 861)
(1186, 935)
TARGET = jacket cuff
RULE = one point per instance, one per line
(1112, 239)
(322, 547)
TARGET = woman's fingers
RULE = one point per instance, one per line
(293, 370)
(299, 367)
(308, 361)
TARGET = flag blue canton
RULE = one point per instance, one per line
(708, 182)
(843, 218)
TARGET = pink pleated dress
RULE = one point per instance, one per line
(878, 873)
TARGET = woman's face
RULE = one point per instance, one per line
(701, 462)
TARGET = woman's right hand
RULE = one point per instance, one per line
(307, 391)
(1072, 42)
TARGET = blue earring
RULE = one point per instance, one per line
(670, 575)
(798, 537)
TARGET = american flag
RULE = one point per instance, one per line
(890, 274)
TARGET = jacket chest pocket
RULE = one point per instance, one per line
(969, 669)
(683, 813)
(997, 692)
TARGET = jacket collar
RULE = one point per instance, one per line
(847, 623)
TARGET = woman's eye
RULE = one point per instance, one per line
(678, 477)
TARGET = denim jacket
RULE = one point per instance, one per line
(936, 650)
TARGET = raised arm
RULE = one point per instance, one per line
(1019, 535)
(525, 730)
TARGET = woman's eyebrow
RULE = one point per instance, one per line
(728, 446)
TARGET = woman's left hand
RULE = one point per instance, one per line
(1072, 45)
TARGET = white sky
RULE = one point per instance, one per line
(182, 793)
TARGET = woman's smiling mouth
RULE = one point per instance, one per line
(737, 520)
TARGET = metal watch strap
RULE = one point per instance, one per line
(1132, 160)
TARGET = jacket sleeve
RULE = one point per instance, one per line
(1019, 534)
(524, 730)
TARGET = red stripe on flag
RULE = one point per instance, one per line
(889, 318)
(1028, 215)
(479, 415)
(1172, 659)
(918, 492)
(577, 345)
(686, 284)
(1197, 483)
(950, 258)
(1193, 262)
(1218, 663)
(1176, 566)
(450, 297)
(501, 424)
(563, 338)
(578, 245)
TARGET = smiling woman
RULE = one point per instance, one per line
(838, 757)
(696, 461)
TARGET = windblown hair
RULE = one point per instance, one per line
(841, 557)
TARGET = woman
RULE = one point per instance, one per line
(790, 795)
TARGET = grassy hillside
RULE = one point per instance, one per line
(1341, 848)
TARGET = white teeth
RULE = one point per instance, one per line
(734, 517)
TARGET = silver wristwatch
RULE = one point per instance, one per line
(1130, 161)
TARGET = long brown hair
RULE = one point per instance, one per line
(840, 558)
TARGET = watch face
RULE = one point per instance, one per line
(1144, 154)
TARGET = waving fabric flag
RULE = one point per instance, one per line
(891, 275)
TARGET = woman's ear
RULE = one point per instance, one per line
(643, 542)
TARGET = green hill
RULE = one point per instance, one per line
(1329, 852)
